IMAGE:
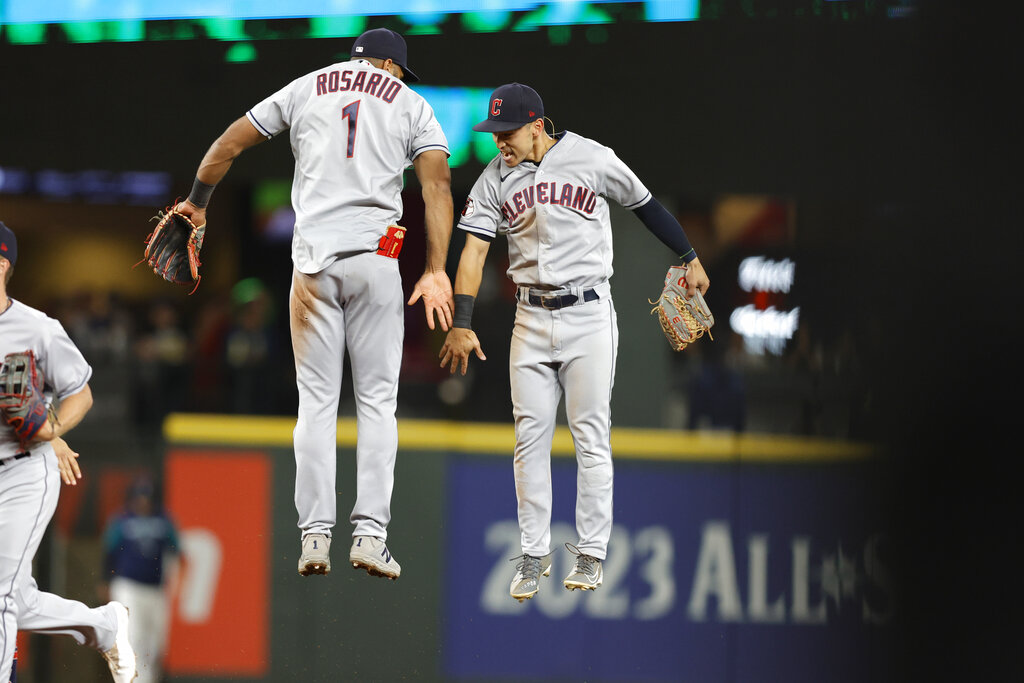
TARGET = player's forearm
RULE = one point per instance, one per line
(217, 161)
(240, 136)
(469, 275)
(666, 228)
(437, 197)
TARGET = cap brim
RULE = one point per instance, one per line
(407, 75)
(491, 126)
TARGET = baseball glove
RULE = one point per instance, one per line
(172, 249)
(21, 396)
(683, 320)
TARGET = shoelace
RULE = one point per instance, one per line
(585, 564)
(528, 566)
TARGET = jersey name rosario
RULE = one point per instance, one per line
(379, 84)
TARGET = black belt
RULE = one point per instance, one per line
(16, 456)
(556, 301)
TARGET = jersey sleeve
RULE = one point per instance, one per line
(622, 185)
(427, 132)
(62, 364)
(274, 114)
(481, 214)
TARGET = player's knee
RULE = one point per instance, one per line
(596, 473)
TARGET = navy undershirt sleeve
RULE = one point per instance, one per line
(666, 228)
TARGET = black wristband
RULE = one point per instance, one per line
(200, 194)
(463, 311)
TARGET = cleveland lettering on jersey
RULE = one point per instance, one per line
(580, 198)
(379, 85)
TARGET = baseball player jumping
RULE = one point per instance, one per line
(548, 194)
(354, 127)
(30, 476)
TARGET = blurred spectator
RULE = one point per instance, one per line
(250, 349)
(101, 328)
(717, 394)
(209, 336)
(141, 549)
(161, 354)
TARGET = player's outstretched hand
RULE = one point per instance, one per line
(436, 291)
(696, 278)
(459, 343)
(67, 462)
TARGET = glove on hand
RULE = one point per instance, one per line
(172, 249)
(683, 320)
(22, 402)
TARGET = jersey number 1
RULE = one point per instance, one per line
(351, 112)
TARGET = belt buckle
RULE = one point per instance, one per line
(556, 299)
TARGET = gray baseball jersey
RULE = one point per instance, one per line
(23, 328)
(565, 339)
(351, 126)
(29, 489)
(555, 212)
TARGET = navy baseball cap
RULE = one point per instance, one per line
(8, 244)
(511, 106)
(383, 43)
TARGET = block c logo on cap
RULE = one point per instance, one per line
(496, 107)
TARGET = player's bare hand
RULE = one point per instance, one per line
(436, 291)
(67, 462)
(192, 212)
(459, 343)
(696, 278)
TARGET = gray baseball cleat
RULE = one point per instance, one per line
(372, 554)
(586, 573)
(121, 657)
(316, 555)
(526, 582)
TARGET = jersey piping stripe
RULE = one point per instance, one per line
(258, 124)
(483, 438)
(24, 551)
(77, 388)
(417, 151)
(639, 203)
(476, 228)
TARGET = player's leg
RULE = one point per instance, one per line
(23, 519)
(375, 328)
(38, 480)
(146, 604)
(591, 346)
(535, 395)
(318, 343)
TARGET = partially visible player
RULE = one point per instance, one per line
(548, 195)
(30, 476)
(354, 128)
(141, 552)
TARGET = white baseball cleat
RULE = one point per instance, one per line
(121, 657)
(586, 573)
(316, 557)
(526, 582)
(372, 554)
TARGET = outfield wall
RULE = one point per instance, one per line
(731, 556)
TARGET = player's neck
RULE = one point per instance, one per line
(540, 147)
